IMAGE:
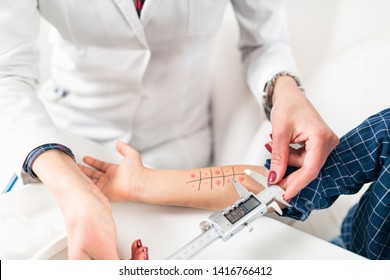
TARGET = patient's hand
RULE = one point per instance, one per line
(117, 182)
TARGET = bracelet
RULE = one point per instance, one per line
(269, 91)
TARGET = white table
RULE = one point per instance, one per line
(164, 229)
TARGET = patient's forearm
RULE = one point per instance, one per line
(208, 188)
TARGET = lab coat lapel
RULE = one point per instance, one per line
(128, 10)
(148, 10)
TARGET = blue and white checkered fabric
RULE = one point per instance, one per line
(27, 165)
(362, 156)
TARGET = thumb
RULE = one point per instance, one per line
(279, 159)
(125, 150)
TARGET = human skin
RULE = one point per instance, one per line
(295, 120)
(206, 188)
(79, 199)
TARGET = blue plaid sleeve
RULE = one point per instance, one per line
(27, 165)
(362, 156)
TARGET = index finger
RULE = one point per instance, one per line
(96, 163)
(312, 164)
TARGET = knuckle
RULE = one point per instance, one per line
(326, 138)
(277, 159)
(279, 131)
(327, 135)
(334, 140)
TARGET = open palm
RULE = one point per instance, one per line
(115, 181)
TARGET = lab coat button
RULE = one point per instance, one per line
(61, 92)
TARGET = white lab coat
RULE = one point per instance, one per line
(144, 81)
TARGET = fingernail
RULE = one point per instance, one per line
(146, 255)
(270, 135)
(268, 147)
(272, 177)
(139, 243)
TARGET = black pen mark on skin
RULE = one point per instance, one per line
(223, 175)
(211, 179)
(200, 180)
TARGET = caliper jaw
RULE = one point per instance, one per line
(271, 194)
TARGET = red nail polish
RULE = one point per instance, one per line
(139, 243)
(272, 177)
(270, 135)
(146, 256)
(268, 147)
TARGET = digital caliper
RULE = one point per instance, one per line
(231, 220)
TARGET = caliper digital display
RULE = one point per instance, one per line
(242, 209)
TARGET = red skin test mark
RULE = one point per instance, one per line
(218, 182)
(217, 172)
(241, 179)
(193, 175)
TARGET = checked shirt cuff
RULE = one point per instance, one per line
(27, 165)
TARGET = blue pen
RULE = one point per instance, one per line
(10, 184)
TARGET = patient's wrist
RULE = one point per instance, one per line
(141, 185)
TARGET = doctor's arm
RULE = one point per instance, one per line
(87, 212)
(266, 54)
(26, 125)
(80, 202)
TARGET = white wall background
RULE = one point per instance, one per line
(320, 29)
(341, 47)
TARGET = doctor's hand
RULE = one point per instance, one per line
(117, 182)
(295, 120)
(87, 213)
(92, 232)
(86, 210)
(90, 226)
